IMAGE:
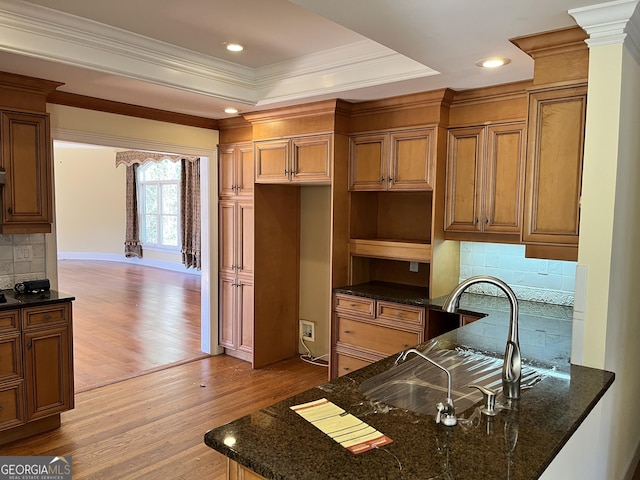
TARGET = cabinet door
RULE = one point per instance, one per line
(227, 236)
(504, 178)
(244, 170)
(226, 171)
(554, 166)
(27, 161)
(226, 318)
(48, 371)
(244, 235)
(412, 155)
(272, 162)
(464, 156)
(244, 289)
(368, 163)
(311, 159)
(11, 405)
(10, 358)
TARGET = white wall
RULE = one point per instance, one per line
(608, 252)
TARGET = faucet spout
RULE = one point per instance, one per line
(512, 366)
(446, 410)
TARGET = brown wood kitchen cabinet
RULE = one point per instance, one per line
(305, 159)
(367, 330)
(26, 158)
(485, 175)
(399, 160)
(554, 166)
(236, 237)
(36, 369)
(235, 170)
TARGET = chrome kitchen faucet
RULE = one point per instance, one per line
(512, 366)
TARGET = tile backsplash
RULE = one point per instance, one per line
(22, 257)
(537, 280)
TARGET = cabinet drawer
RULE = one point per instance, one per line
(9, 321)
(363, 307)
(10, 358)
(375, 338)
(402, 313)
(44, 316)
(11, 401)
(346, 364)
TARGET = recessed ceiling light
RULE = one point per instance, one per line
(493, 62)
(234, 47)
(230, 110)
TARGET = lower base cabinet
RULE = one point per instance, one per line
(367, 330)
(36, 369)
(235, 471)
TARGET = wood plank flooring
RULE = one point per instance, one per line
(129, 319)
(152, 426)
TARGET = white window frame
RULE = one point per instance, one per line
(160, 214)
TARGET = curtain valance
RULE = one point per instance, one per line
(131, 157)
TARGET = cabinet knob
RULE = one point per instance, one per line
(346, 369)
(29, 345)
(405, 345)
(1, 408)
(381, 181)
(390, 179)
(475, 222)
(47, 317)
(347, 331)
(286, 171)
(10, 211)
(352, 305)
(486, 220)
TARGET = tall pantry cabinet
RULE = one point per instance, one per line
(235, 247)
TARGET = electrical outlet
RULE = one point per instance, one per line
(23, 253)
(413, 266)
(307, 330)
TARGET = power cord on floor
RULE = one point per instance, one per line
(309, 358)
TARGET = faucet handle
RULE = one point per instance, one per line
(489, 397)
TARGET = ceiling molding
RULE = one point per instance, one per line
(40, 32)
(611, 23)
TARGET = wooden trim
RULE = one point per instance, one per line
(394, 250)
(552, 42)
(119, 108)
(27, 84)
(552, 252)
(32, 428)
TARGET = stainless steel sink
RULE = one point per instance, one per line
(418, 386)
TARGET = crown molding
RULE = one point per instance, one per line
(48, 34)
(611, 23)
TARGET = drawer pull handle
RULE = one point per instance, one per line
(353, 305)
(346, 369)
(29, 345)
(405, 345)
(1, 408)
(347, 331)
(47, 317)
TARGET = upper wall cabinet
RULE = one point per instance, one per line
(235, 170)
(294, 160)
(402, 160)
(26, 158)
(554, 166)
(485, 173)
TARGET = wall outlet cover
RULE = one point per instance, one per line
(307, 330)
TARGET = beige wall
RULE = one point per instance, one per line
(315, 256)
(90, 200)
(609, 239)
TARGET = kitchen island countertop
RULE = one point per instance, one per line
(519, 443)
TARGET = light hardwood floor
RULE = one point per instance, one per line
(152, 426)
(129, 319)
(145, 393)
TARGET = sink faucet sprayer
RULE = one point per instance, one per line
(511, 369)
(446, 411)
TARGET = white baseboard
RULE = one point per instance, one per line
(114, 257)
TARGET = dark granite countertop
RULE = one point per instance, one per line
(21, 300)
(391, 292)
(277, 443)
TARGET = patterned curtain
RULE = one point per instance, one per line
(132, 246)
(190, 213)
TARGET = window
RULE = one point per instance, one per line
(159, 204)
